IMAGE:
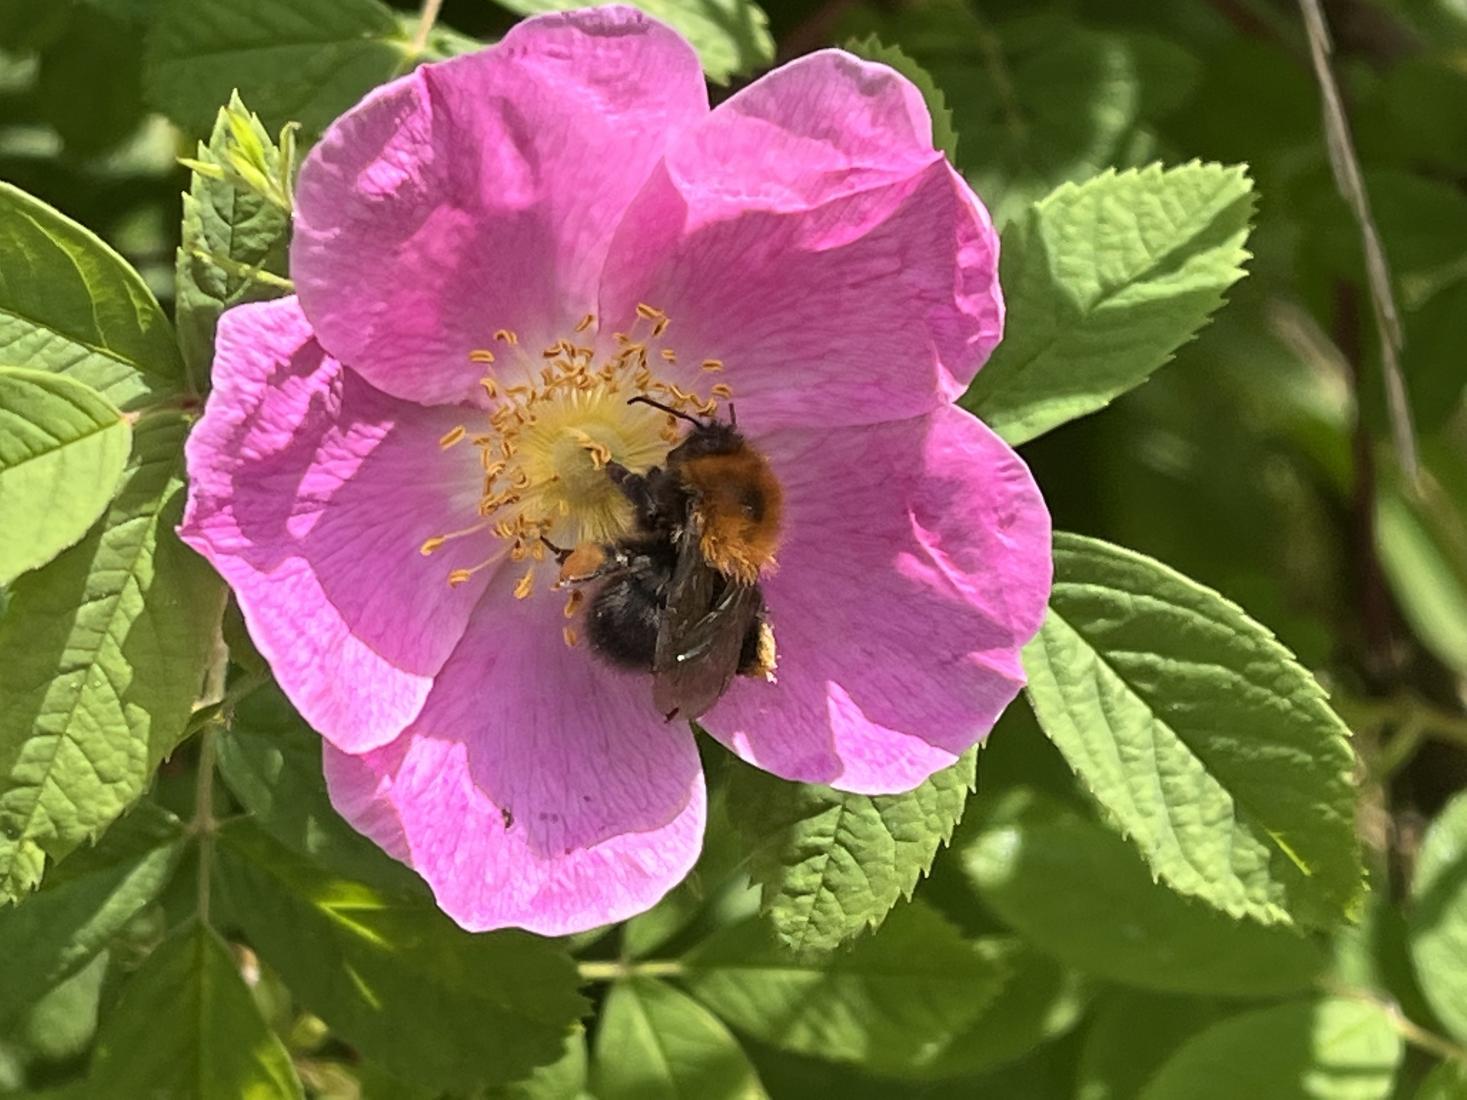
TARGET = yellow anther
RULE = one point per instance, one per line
(668, 355)
(452, 436)
(481, 355)
(723, 390)
(572, 601)
(429, 545)
(713, 364)
(490, 387)
(569, 635)
(585, 322)
(661, 326)
(506, 336)
(526, 584)
(648, 313)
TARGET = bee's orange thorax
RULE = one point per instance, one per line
(740, 507)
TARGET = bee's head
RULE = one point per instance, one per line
(707, 437)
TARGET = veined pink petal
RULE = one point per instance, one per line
(311, 493)
(481, 193)
(915, 567)
(808, 236)
(538, 789)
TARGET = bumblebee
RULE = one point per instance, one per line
(680, 595)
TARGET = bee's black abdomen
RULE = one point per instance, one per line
(627, 611)
(623, 620)
(749, 650)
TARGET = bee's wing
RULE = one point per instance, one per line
(702, 633)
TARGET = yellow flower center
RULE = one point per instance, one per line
(547, 439)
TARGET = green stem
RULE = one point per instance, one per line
(618, 971)
(1437, 1045)
(203, 824)
(426, 20)
(243, 686)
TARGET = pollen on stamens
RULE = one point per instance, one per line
(585, 322)
(573, 602)
(723, 390)
(482, 355)
(668, 355)
(429, 545)
(525, 585)
(569, 634)
(507, 336)
(712, 364)
(452, 436)
(490, 387)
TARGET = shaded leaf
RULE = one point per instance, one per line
(1330, 1049)
(65, 925)
(186, 1025)
(62, 452)
(394, 976)
(913, 984)
(1077, 890)
(1209, 746)
(290, 61)
(654, 1043)
(1437, 918)
(1103, 282)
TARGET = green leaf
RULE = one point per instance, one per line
(290, 61)
(1437, 919)
(830, 864)
(944, 137)
(731, 36)
(1104, 281)
(1447, 1082)
(1330, 1049)
(1421, 537)
(71, 305)
(394, 976)
(104, 651)
(1206, 743)
(1064, 883)
(563, 1079)
(62, 452)
(90, 84)
(1130, 1034)
(63, 1023)
(1038, 100)
(272, 762)
(65, 925)
(912, 985)
(186, 1025)
(1038, 1001)
(655, 1043)
(222, 219)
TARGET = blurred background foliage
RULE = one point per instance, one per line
(1258, 463)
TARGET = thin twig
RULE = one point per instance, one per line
(426, 20)
(203, 824)
(1349, 180)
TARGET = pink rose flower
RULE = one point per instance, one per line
(372, 485)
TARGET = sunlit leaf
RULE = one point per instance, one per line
(69, 304)
(1209, 746)
(832, 864)
(104, 651)
(1438, 916)
(62, 452)
(1104, 281)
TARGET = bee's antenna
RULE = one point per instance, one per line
(733, 417)
(560, 552)
(643, 399)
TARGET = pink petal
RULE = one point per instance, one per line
(807, 234)
(538, 789)
(311, 493)
(481, 193)
(915, 566)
